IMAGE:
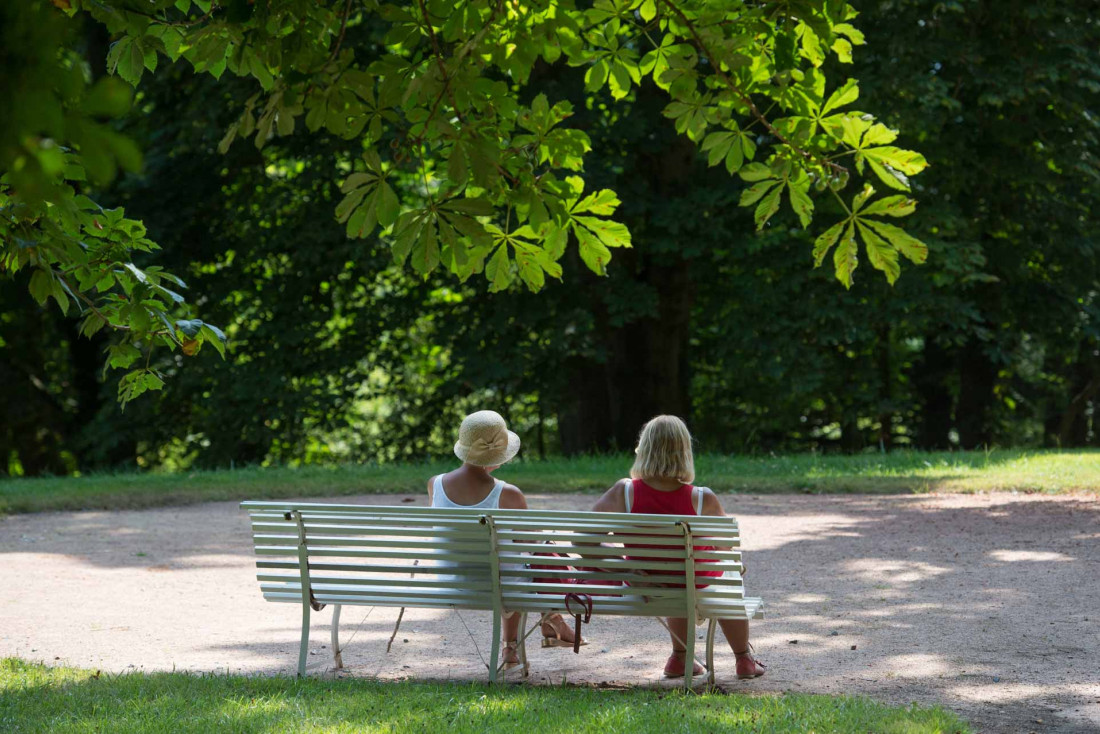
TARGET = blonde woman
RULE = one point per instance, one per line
(484, 444)
(661, 484)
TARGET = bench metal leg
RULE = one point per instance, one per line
(523, 643)
(689, 654)
(710, 650)
(494, 656)
(337, 659)
(303, 651)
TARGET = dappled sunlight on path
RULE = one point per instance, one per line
(988, 604)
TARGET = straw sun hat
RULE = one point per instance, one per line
(484, 440)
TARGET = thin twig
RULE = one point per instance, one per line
(340, 36)
(91, 305)
(439, 59)
(396, 626)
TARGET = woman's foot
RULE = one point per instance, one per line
(748, 666)
(674, 666)
(556, 632)
(510, 658)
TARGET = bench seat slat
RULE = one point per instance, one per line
(332, 551)
(609, 526)
(572, 536)
(653, 592)
(481, 583)
(609, 562)
(420, 569)
(478, 602)
(731, 578)
(592, 552)
(377, 591)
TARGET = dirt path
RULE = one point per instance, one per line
(987, 604)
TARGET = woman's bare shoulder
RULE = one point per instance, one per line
(511, 498)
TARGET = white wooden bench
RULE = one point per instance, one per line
(316, 554)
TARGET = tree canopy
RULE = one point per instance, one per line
(452, 152)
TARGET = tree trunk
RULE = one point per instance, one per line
(977, 377)
(1073, 428)
(646, 372)
(930, 379)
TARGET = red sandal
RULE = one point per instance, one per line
(674, 666)
(747, 664)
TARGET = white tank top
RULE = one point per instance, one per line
(491, 502)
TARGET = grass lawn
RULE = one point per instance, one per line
(36, 698)
(897, 472)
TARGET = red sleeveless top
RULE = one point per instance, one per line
(650, 501)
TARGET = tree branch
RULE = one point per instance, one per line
(745, 98)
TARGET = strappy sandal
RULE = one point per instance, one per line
(513, 648)
(554, 638)
(747, 664)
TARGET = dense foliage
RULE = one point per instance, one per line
(338, 354)
(437, 92)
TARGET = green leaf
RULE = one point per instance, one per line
(881, 255)
(530, 270)
(189, 327)
(499, 270)
(767, 207)
(601, 203)
(425, 253)
(122, 355)
(718, 144)
(388, 205)
(799, 194)
(593, 252)
(857, 202)
(41, 286)
(752, 195)
(596, 76)
(619, 81)
(215, 336)
(845, 258)
(905, 243)
(843, 95)
(825, 241)
(891, 206)
(907, 161)
(756, 172)
(889, 176)
(610, 234)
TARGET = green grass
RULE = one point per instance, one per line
(897, 472)
(35, 698)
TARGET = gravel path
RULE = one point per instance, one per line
(987, 604)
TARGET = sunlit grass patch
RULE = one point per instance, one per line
(896, 472)
(36, 698)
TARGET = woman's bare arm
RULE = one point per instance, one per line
(613, 500)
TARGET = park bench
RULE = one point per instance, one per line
(316, 554)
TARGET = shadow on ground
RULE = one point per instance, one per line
(986, 604)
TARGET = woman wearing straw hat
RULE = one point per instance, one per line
(484, 444)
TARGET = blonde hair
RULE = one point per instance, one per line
(664, 450)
